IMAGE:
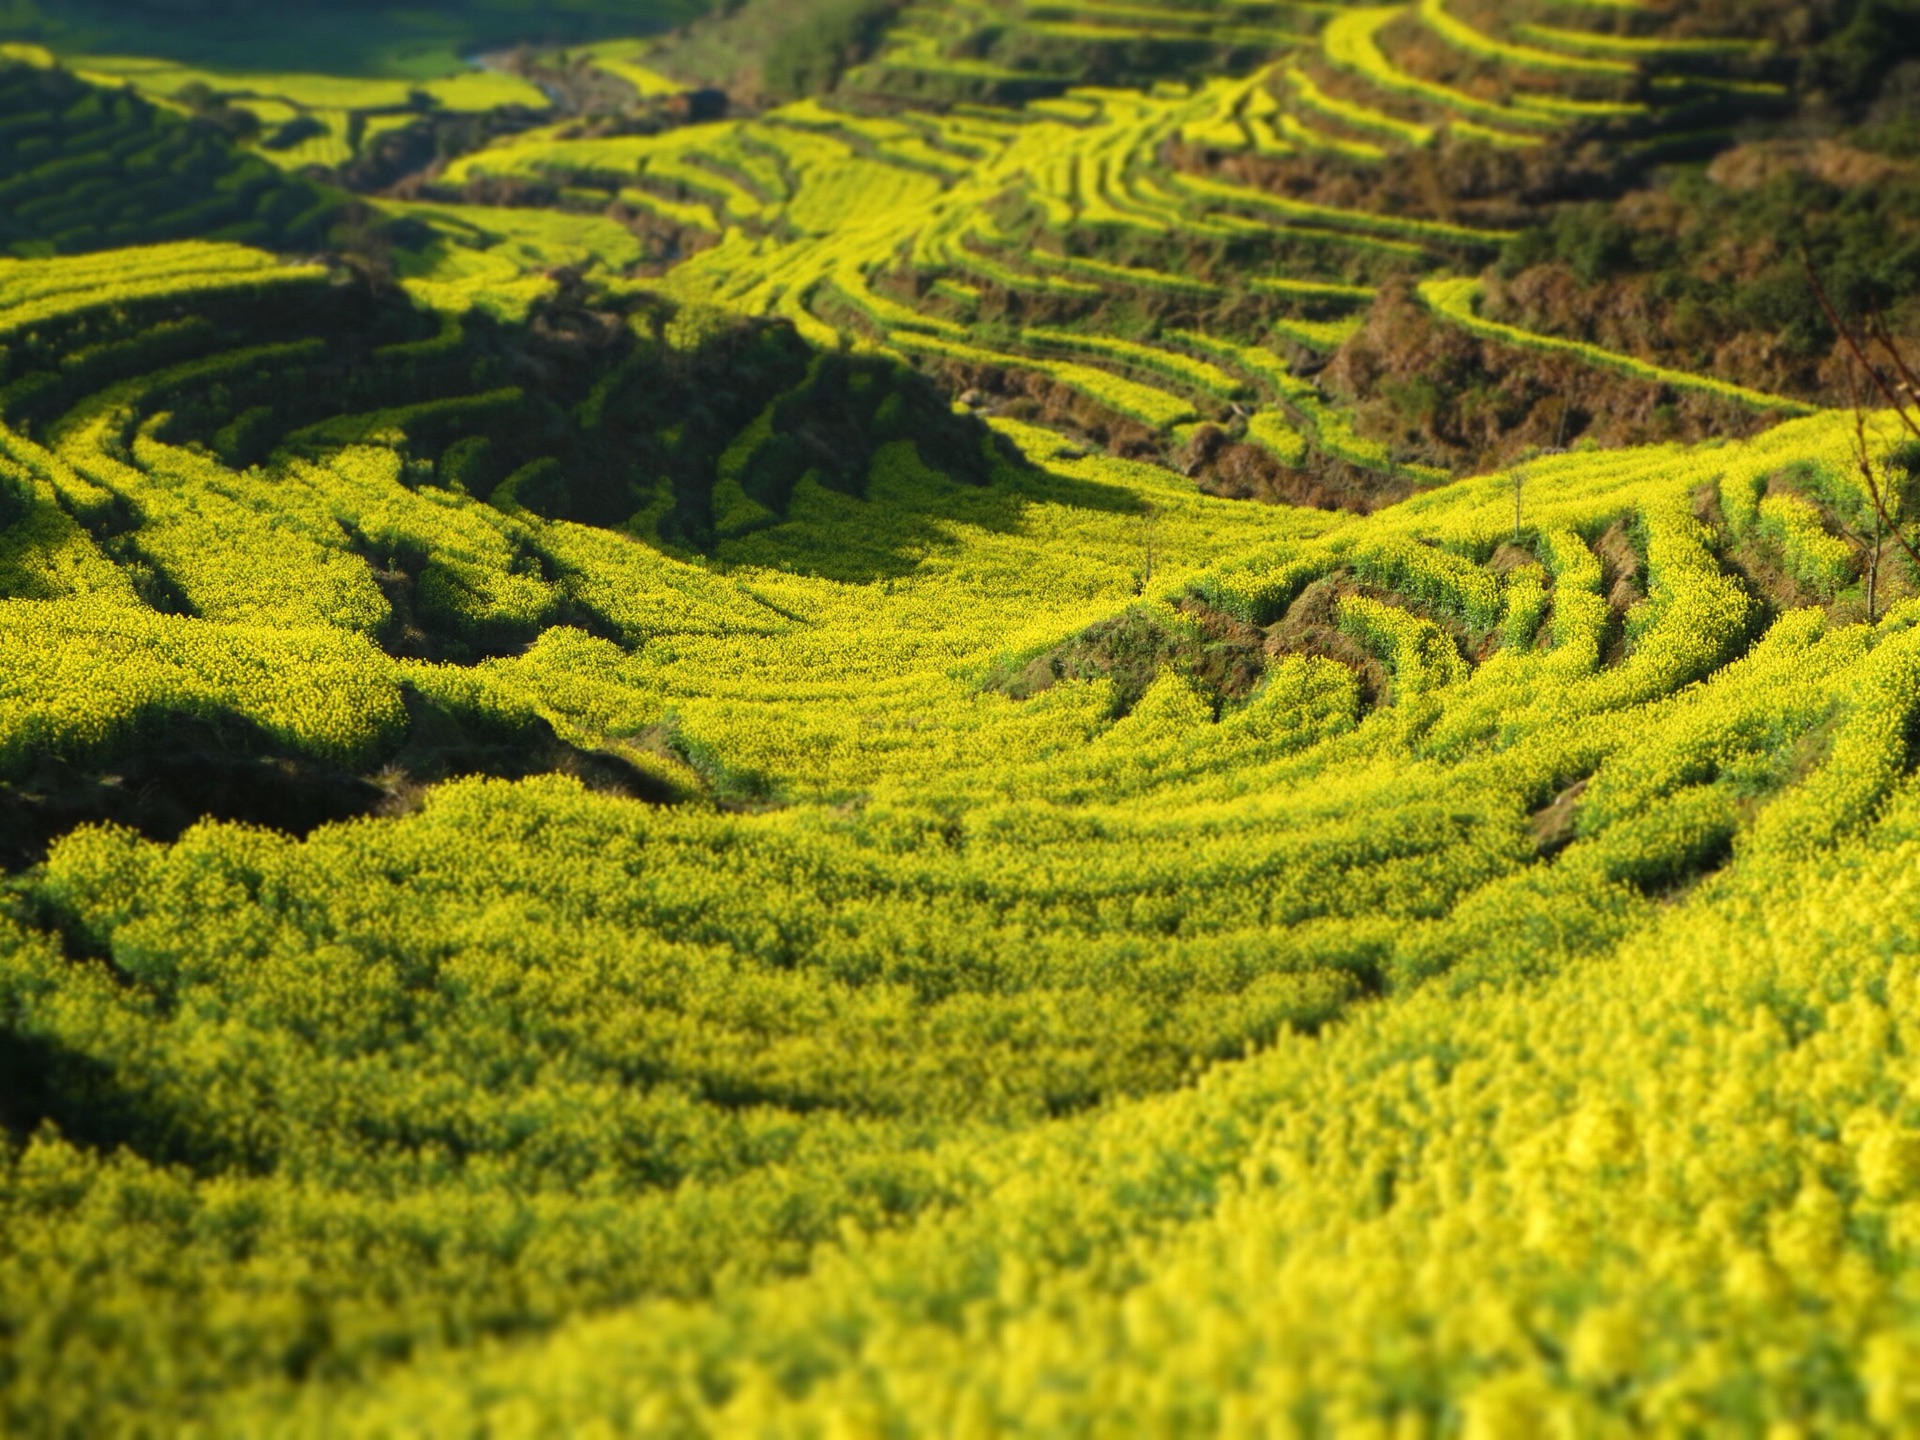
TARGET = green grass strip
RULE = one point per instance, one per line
(1125, 397)
(1581, 109)
(1456, 300)
(1359, 220)
(1321, 335)
(1310, 289)
(1125, 274)
(1463, 36)
(1271, 432)
(1352, 43)
(1585, 42)
(1359, 117)
(1293, 131)
(1007, 278)
(1182, 369)
(1270, 369)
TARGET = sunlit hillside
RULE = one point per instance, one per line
(961, 718)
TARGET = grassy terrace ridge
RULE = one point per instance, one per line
(1457, 300)
(1465, 38)
(33, 292)
(958, 751)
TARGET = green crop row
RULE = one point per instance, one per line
(1367, 223)
(1357, 116)
(1636, 47)
(1351, 42)
(1821, 561)
(1294, 133)
(1435, 16)
(1432, 577)
(1125, 397)
(83, 168)
(1271, 432)
(1146, 279)
(1455, 300)
(1422, 655)
(1182, 369)
(33, 293)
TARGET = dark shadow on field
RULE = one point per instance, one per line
(753, 447)
(43, 1081)
(84, 167)
(692, 430)
(708, 437)
(170, 771)
(702, 435)
(337, 37)
(907, 512)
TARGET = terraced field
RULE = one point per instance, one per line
(805, 775)
(1108, 243)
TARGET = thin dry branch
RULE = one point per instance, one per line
(1863, 452)
(1884, 338)
(1858, 352)
(1863, 456)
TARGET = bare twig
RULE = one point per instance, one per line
(1863, 451)
(1873, 575)
(1863, 456)
(1877, 323)
(1859, 354)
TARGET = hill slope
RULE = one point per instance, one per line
(588, 852)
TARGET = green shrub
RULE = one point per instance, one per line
(812, 53)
